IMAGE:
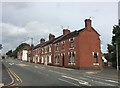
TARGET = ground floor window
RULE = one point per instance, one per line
(57, 59)
(33, 59)
(42, 60)
(38, 59)
(72, 57)
(50, 59)
(95, 59)
(47, 58)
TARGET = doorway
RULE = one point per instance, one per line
(63, 56)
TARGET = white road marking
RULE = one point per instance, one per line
(57, 72)
(68, 82)
(102, 79)
(11, 63)
(80, 81)
(104, 83)
(112, 81)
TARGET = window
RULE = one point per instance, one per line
(45, 49)
(71, 43)
(42, 50)
(63, 45)
(47, 58)
(49, 48)
(57, 59)
(42, 61)
(72, 57)
(56, 47)
(95, 58)
(50, 59)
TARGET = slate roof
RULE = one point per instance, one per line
(60, 38)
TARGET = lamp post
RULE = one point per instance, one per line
(31, 49)
(117, 56)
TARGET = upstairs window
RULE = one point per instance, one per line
(45, 49)
(56, 47)
(63, 45)
(71, 43)
(49, 48)
(42, 50)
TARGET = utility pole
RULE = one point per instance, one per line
(31, 59)
(117, 57)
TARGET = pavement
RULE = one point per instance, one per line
(6, 79)
(107, 72)
(30, 74)
(1, 84)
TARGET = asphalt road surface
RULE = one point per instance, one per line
(30, 74)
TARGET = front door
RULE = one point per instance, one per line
(46, 60)
(63, 59)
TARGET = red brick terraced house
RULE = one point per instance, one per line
(77, 49)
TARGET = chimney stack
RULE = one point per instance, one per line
(51, 36)
(88, 23)
(66, 31)
(42, 40)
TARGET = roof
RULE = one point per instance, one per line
(62, 37)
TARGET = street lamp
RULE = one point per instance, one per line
(117, 56)
(31, 48)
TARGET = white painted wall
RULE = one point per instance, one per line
(24, 55)
(104, 60)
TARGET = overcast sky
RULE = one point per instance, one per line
(21, 20)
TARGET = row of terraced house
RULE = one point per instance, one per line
(76, 49)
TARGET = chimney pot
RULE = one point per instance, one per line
(87, 23)
(51, 36)
(66, 31)
(42, 40)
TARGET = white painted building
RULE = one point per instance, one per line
(24, 55)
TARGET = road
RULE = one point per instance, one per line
(30, 74)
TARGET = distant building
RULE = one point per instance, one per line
(77, 49)
(23, 54)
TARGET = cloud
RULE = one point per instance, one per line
(23, 19)
(16, 5)
(119, 10)
(13, 35)
(12, 30)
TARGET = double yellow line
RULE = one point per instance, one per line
(14, 77)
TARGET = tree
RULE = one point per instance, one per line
(9, 53)
(0, 46)
(112, 47)
(20, 48)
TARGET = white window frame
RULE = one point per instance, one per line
(95, 63)
(57, 59)
(72, 58)
(50, 48)
(50, 60)
(42, 60)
